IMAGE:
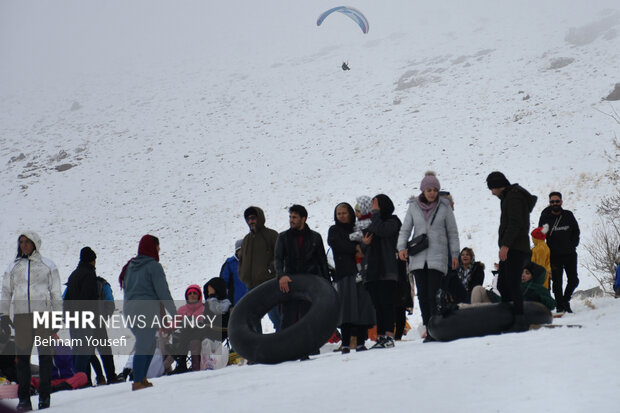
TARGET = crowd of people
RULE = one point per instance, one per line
(378, 259)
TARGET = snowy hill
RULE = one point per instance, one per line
(171, 119)
(124, 118)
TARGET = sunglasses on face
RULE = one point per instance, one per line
(192, 292)
(554, 202)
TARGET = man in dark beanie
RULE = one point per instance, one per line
(516, 205)
(81, 288)
(87, 255)
(497, 180)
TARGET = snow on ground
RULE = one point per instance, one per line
(125, 118)
(547, 370)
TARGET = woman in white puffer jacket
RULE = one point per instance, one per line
(31, 283)
(428, 214)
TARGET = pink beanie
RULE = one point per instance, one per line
(430, 181)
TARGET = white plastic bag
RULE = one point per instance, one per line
(213, 355)
(156, 368)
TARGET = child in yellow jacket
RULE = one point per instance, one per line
(541, 254)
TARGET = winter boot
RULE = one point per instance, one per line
(44, 402)
(567, 306)
(141, 385)
(124, 374)
(24, 405)
(181, 366)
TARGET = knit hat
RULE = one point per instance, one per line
(430, 181)
(497, 180)
(238, 244)
(87, 255)
(196, 288)
(363, 204)
(540, 232)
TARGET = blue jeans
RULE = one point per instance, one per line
(275, 317)
(145, 347)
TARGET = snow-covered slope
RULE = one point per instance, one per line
(568, 370)
(123, 118)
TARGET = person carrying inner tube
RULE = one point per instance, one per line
(299, 250)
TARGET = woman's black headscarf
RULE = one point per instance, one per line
(386, 205)
(349, 226)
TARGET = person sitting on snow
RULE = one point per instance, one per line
(532, 285)
(532, 288)
(188, 338)
(217, 308)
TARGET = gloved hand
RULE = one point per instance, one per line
(5, 325)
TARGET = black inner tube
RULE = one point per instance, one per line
(308, 334)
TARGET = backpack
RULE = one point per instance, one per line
(105, 297)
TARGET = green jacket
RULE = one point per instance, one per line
(514, 225)
(256, 264)
(534, 289)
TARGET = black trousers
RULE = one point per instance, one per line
(382, 296)
(559, 264)
(361, 332)
(292, 311)
(24, 341)
(400, 315)
(509, 279)
(105, 351)
(427, 283)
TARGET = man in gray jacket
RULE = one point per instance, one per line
(31, 283)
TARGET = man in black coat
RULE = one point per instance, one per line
(562, 239)
(514, 253)
(299, 251)
(81, 288)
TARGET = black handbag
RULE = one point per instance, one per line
(420, 243)
(417, 245)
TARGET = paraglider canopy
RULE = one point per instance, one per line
(354, 14)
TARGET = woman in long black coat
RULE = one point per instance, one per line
(381, 267)
(356, 311)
